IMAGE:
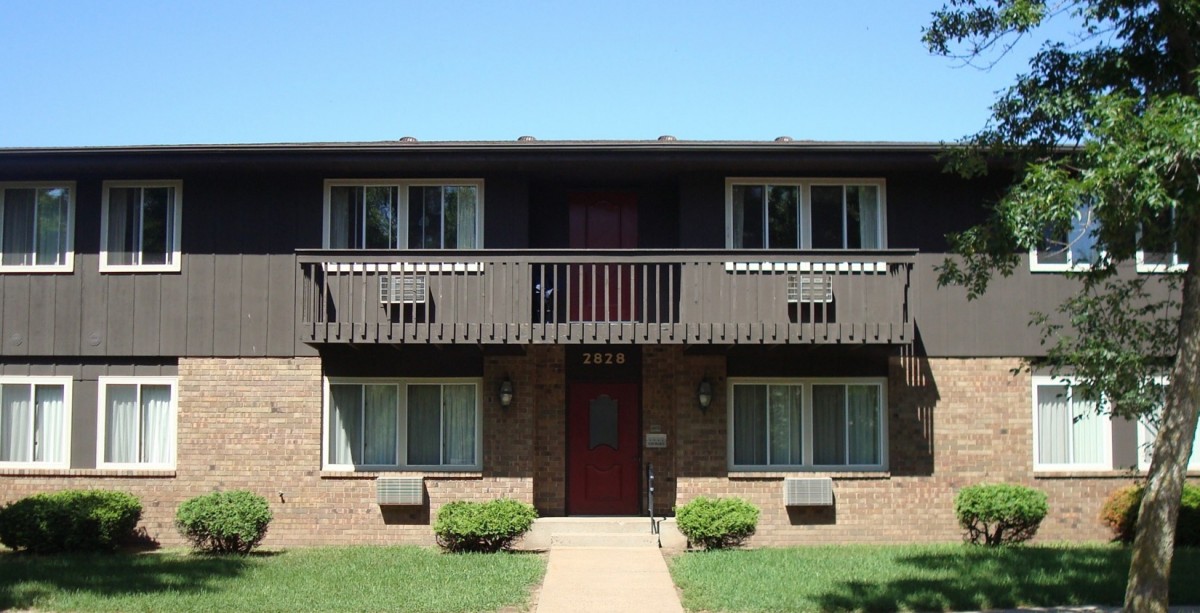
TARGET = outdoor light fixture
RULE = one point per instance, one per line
(506, 392)
(704, 394)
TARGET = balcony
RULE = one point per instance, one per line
(646, 297)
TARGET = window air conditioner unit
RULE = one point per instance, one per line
(402, 289)
(809, 288)
(817, 491)
(400, 490)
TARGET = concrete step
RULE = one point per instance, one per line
(592, 525)
(601, 539)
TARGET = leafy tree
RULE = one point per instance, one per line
(1103, 132)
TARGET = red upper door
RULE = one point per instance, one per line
(603, 220)
(603, 455)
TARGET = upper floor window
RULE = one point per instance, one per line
(1069, 431)
(403, 214)
(1077, 248)
(35, 421)
(796, 424)
(399, 424)
(805, 214)
(137, 422)
(1160, 249)
(140, 225)
(36, 227)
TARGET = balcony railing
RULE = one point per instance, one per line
(667, 296)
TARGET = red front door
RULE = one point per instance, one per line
(603, 455)
(603, 220)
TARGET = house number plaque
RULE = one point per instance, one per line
(598, 358)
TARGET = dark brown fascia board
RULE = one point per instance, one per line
(497, 146)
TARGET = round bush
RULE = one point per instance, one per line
(1000, 513)
(224, 522)
(482, 526)
(70, 520)
(1120, 512)
(716, 523)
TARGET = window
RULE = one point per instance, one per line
(403, 214)
(791, 424)
(1077, 248)
(140, 226)
(1148, 431)
(36, 227)
(390, 424)
(1069, 434)
(35, 421)
(137, 422)
(805, 214)
(1160, 247)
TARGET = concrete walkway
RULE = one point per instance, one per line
(602, 579)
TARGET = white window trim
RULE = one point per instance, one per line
(1069, 266)
(402, 186)
(807, 384)
(69, 264)
(1173, 266)
(67, 383)
(804, 185)
(402, 425)
(1144, 440)
(103, 382)
(176, 253)
(1106, 461)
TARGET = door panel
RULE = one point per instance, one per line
(603, 454)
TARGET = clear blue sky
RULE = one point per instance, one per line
(127, 72)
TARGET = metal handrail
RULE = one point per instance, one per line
(650, 498)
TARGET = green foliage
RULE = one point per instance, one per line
(999, 513)
(1120, 513)
(70, 520)
(482, 526)
(717, 523)
(224, 522)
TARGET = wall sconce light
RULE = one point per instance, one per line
(704, 394)
(506, 392)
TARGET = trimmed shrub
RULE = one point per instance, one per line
(717, 523)
(224, 522)
(1120, 512)
(1000, 513)
(70, 520)
(482, 526)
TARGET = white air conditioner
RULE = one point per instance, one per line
(400, 490)
(403, 289)
(816, 491)
(810, 288)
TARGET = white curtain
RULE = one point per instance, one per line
(424, 425)
(380, 417)
(1088, 437)
(750, 425)
(1054, 421)
(16, 423)
(345, 423)
(121, 424)
(829, 425)
(458, 429)
(786, 424)
(157, 443)
(863, 424)
(868, 215)
(18, 224)
(467, 200)
(51, 429)
(121, 202)
(52, 226)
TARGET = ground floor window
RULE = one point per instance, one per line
(1069, 431)
(826, 424)
(137, 422)
(397, 424)
(35, 421)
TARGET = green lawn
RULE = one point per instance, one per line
(927, 578)
(341, 579)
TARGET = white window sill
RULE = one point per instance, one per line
(108, 268)
(38, 269)
(142, 473)
(473, 473)
(855, 473)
